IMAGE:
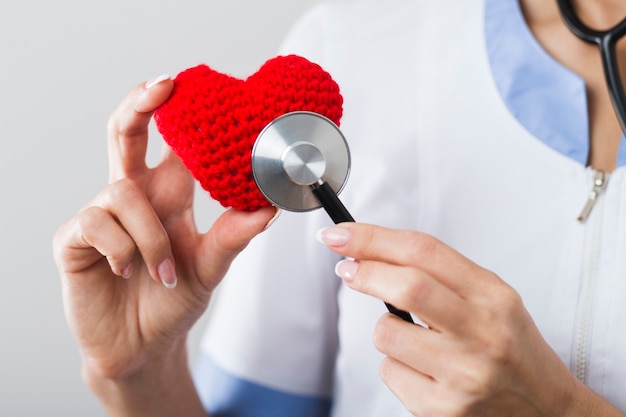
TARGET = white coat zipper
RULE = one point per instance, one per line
(600, 181)
(589, 279)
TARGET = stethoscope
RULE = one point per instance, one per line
(606, 41)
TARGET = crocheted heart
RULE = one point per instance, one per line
(212, 120)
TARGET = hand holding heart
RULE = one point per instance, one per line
(135, 272)
(482, 355)
(141, 226)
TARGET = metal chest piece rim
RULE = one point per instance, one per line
(296, 152)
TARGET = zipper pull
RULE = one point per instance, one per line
(600, 181)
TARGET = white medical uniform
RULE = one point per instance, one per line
(460, 126)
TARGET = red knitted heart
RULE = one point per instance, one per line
(212, 120)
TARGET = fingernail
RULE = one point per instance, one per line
(151, 83)
(167, 273)
(333, 236)
(128, 271)
(347, 269)
(273, 219)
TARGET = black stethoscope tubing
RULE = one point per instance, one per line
(606, 41)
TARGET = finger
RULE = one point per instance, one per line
(128, 127)
(422, 251)
(415, 390)
(228, 236)
(130, 207)
(420, 394)
(421, 349)
(408, 289)
(91, 235)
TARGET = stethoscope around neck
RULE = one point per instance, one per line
(607, 42)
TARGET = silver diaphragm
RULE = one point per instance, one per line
(296, 151)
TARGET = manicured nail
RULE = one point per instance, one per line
(151, 83)
(167, 273)
(347, 269)
(273, 219)
(128, 271)
(333, 236)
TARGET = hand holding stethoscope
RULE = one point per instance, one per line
(300, 161)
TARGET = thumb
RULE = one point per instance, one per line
(228, 236)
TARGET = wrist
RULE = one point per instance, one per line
(161, 385)
(572, 398)
(587, 403)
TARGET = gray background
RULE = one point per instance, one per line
(64, 66)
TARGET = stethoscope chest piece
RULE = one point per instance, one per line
(294, 154)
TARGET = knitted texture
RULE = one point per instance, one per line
(212, 120)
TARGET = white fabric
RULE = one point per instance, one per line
(433, 149)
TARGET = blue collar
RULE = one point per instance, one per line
(548, 99)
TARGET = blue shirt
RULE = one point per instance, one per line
(547, 98)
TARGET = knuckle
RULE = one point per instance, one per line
(500, 292)
(505, 303)
(120, 123)
(510, 300)
(95, 220)
(61, 250)
(76, 233)
(410, 292)
(124, 252)
(418, 290)
(385, 370)
(116, 123)
(158, 244)
(368, 241)
(61, 238)
(126, 194)
(422, 246)
(384, 335)
(89, 220)
(123, 191)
